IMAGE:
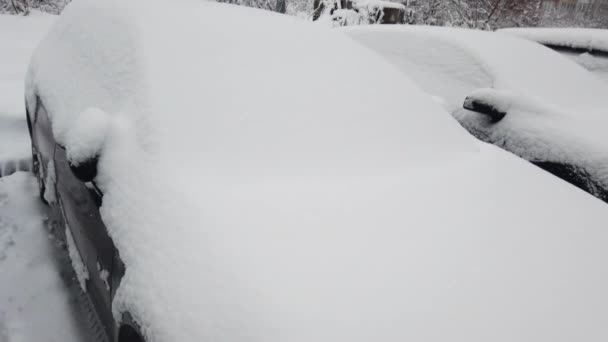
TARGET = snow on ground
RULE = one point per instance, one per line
(37, 301)
(276, 181)
(18, 37)
(34, 303)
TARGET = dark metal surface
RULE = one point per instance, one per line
(560, 48)
(575, 176)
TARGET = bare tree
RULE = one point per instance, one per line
(20, 7)
(479, 14)
(24, 7)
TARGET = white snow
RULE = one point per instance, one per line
(578, 38)
(598, 65)
(559, 110)
(86, 136)
(82, 274)
(104, 275)
(275, 181)
(49, 195)
(588, 39)
(33, 301)
(18, 38)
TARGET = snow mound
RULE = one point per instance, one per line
(276, 181)
(86, 136)
(577, 38)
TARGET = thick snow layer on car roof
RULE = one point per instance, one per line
(268, 179)
(559, 110)
(577, 38)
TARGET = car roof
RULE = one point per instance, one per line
(266, 179)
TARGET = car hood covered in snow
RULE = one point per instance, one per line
(268, 179)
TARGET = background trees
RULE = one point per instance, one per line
(24, 7)
(480, 14)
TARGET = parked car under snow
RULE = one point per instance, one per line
(205, 197)
(510, 92)
(587, 47)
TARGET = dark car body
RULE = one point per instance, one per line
(76, 206)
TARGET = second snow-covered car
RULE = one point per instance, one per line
(209, 199)
(516, 94)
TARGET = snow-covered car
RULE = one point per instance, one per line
(587, 47)
(510, 92)
(207, 198)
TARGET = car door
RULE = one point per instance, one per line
(79, 203)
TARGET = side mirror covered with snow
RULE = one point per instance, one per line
(492, 103)
(85, 171)
(85, 141)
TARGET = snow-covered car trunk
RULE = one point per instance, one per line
(536, 103)
(243, 210)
